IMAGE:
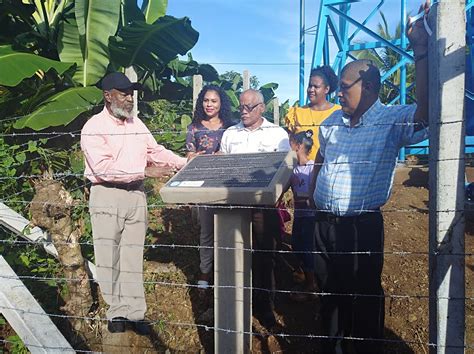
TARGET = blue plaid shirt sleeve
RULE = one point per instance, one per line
(322, 139)
(405, 119)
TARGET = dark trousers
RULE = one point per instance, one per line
(264, 232)
(350, 275)
(302, 241)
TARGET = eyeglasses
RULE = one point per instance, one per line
(345, 87)
(248, 108)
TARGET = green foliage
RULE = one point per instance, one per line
(154, 9)
(16, 345)
(61, 108)
(189, 67)
(12, 159)
(152, 46)
(174, 82)
(18, 66)
(23, 257)
(84, 35)
(92, 34)
(169, 122)
(236, 80)
(32, 25)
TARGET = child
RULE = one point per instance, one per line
(303, 223)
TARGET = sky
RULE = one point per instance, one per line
(262, 36)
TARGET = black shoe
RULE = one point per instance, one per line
(117, 325)
(142, 327)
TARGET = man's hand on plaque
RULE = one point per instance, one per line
(159, 171)
(192, 155)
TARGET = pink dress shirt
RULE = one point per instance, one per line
(118, 151)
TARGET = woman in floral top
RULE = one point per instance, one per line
(212, 116)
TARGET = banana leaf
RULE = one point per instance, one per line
(151, 47)
(180, 68)
(17, 66)
(268, 91)
(61, 109)
(233, 98)
(84, 35)
(131, 12)
(154, 9)
(15, 18)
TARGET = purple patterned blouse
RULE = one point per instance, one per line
(200, 138)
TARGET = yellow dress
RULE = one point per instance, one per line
(303, 118)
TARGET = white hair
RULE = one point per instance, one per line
(259, 95)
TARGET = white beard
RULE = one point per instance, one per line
(120, 113)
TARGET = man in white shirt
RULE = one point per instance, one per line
(252, 135)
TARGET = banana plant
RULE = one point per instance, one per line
(96, 36)
(61, 108)
(18, 66)
(32, 25)
(152, 46)
(154, 9)
(47, 14)
(84, 35)
(173, 82)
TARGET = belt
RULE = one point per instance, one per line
(336, 219)
(131, 186)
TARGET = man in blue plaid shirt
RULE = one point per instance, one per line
(356, 162)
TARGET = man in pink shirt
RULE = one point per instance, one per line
(118, 147)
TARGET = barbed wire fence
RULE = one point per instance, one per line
(10, 239)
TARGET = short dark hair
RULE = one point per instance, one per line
(327, 74)
(225, 112)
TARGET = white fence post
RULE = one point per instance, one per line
(132, 76)
(276, 111)
(26, 316)
(246, 80)
(447, 279)
(197, 87)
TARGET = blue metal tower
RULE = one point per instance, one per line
(340, 34)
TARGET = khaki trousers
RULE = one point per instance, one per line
(119, 223)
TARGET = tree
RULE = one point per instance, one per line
(233, 76)
(387, 58)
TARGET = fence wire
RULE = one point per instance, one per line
(61, 177)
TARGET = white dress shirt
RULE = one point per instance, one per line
(268, 137)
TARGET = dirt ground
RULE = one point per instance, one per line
(178, 309)
(405, 280)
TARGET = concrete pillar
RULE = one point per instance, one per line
(27, 318)
(246, 80)
(233, 281)
(133, 77)
(446, 82)
(197, 87)
(276, 111)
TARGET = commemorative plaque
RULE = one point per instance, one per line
(240, 181)
(236, 179)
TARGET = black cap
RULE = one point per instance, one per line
(118, 81)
